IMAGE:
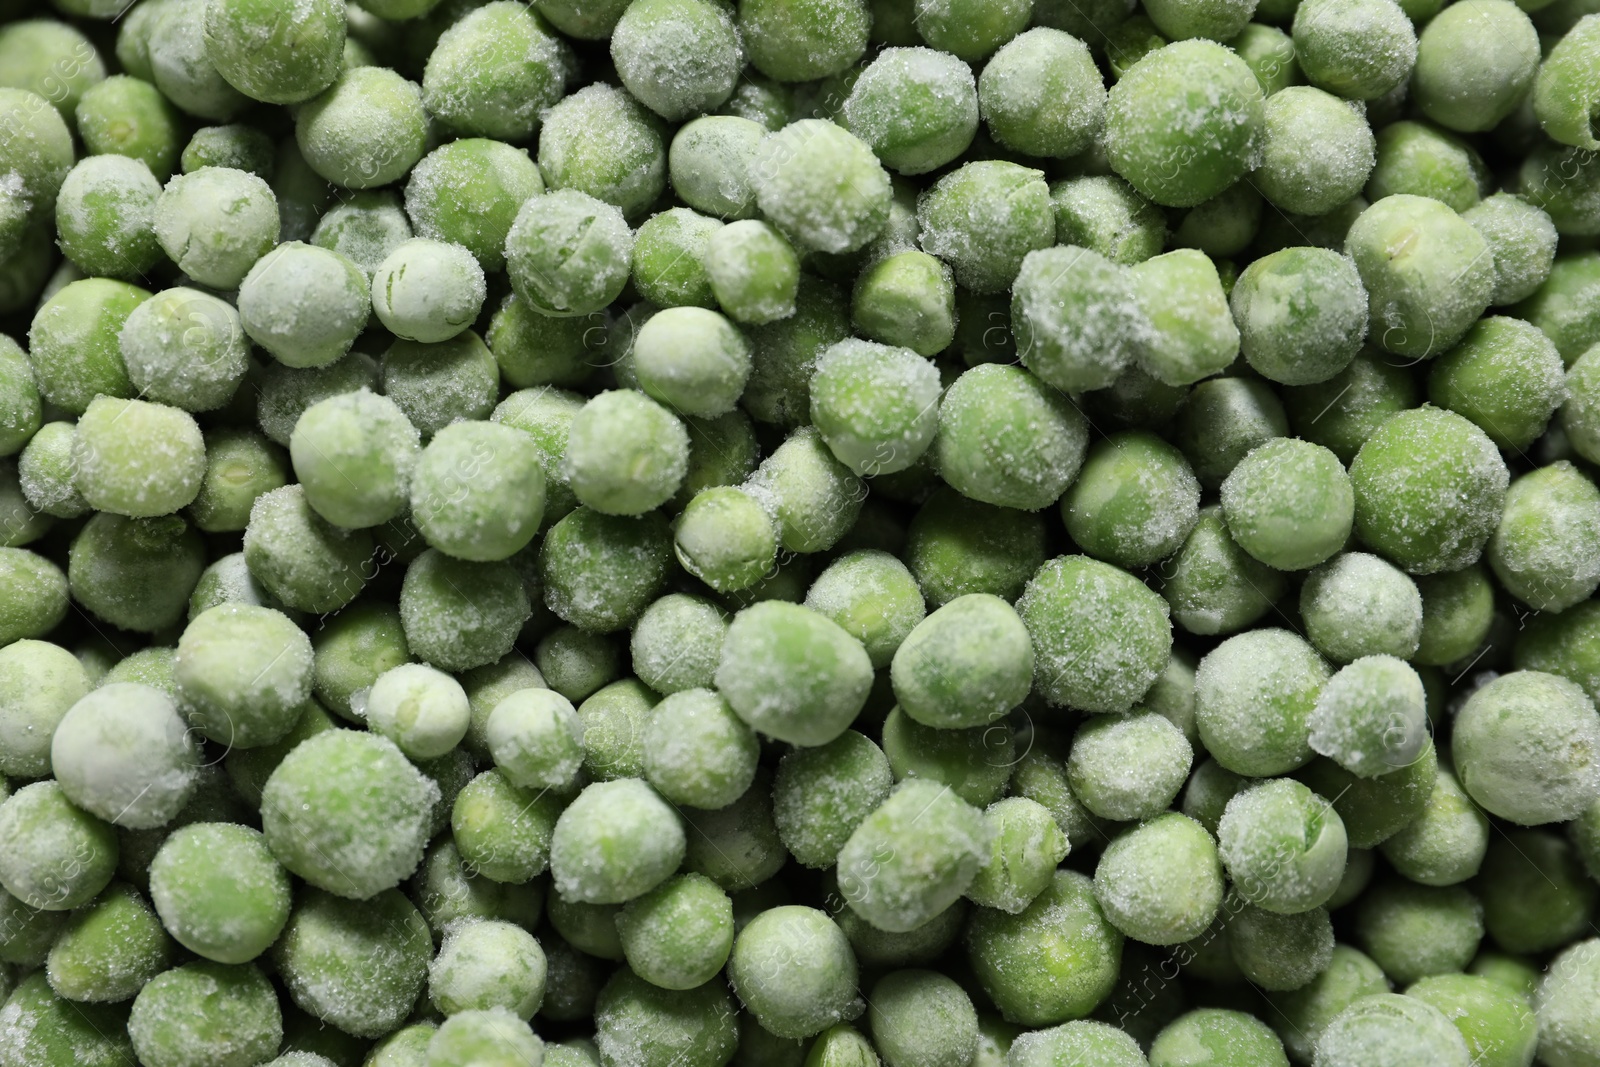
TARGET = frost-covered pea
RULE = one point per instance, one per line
(494, 71)
(1562, 306)
(698, 752)
(813, 498)
(634, 1018)
(677, 642)
(185, 348)
(619, 572)
(822, 794)
(422, 710)
(109, 949)
(669, 252)
(39, 683)
(974, 763)
(136, 574)
(1414, 931)
(822, 185)
(1040, 94)
(502, 832)
(1317, 151)
(459, 614)
(1429, 488)
(921, 1017)
(1302, 314)
(1161, 882)
(437, 384)
(804, 41)
(427, 290)
(1505, 375)
(616, 841)
(983, 219)
(536, 739)
(243, 674)
(793, 673)
(917, 108)
(1289, 504)
(726, 539)
(1191, 332)
(72, 342)
(1280, 952)
(216, 223)
(599, 141)
(966, 665)
(1134, 502)
(1420, 159)
(785, 351)
(906, 299)
(625, 453)
(1284, 846)
(1358, 605)
(1100, 636)
(1006, 438)
(1522, 239)
(1359, 49)
(935, 843)
(677, 57)
(365, 130)
(1371, 716)
(267, 60)
(235, 145)
(354, 454)
(1212, 585)
(206, 1013)
(488, 964)
(347, 812)
(1106, 215)
(1077, 316)
(1028, 846)
(709, 164)
(692, 360)
(1407, 1029)
(1523, 749)
(875, 405)
(957, 546)
(299, 557)
(794, 972)
(127, 115)
(477, 491)
(678, 935)
(1536, 893)
(753, 272)
(105, 216)
(61, 857)
(219, 891)
(1546, 548)
(1128, 767)
(124, 754)
(1564, 1005)
(1375, 809)
(1446, 843)
(352, 648)
(136, 458)
(1254, 696)
(304, 304)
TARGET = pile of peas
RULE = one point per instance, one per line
(799, 533)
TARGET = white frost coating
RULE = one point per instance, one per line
(1371, 717)
(677, 57)
(1078, 318)
(1128, 766)
(124, 754)
(1358, 605)
(616, 841)
(822, 185)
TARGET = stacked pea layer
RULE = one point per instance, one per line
(805, 533)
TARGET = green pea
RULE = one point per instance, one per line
(206, 1013)
(1547, 534)
(1375, 809)
(989, 447)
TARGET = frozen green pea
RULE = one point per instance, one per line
(1317, 153)
(1359, 49)
(1343, 411)
(1134, 502)
(973, 763)
(873, 597)
(1514, 973)
(72, 343)
(285, 393)
(219, 891)
(347, 812)
(487, 964)
(821, 185)
(127, 116)
(136, 574)
(216, 223)
(502, 832)
(822, 794)
(206, 1013)
(52, 58)
(968, 664)
(1280, 952)
(1028, 846)
(1561, 181)
(677, 57)
(692, 360)
(1578, 417)
(1563, 305)
(422, 710)
(616, 841)
(879, 948)
(536, 739)
(1371, 717)
(535, 349)
(983, 219)
(1413, 931)
(1128, 767)
(590, 928)
(619, 571)
(676, 643)
(568, 253)
(841, 1046)
(876, 406)
(1536, 894)
(709, 164)
(785, 352)
(1222, 421)
(1208, 791)
(1358, 605)
(794, 972)
(365, 228)
(1563, 96)
(460, 614)
(494, 71)
(20, 412)
(1302, 314)
(20, 524)
(185, 348)
(437, 384)
(1522, 239)
(487, 685)
(992, 445)
(269, 61)
(1496, 1023)
(1192, 334)
(28, 934)
(492, 1037)
(1225, 225)
(109, 949)
(105, 216)
(726, 539)
(1254, 696)
(793, 673)
(698, 752)
(136, 458)
(1104, 214)
(1217, 1036)
(935, 843)
(638, 1022)
(359, 969)
(678, 935)
(1522, 747)
(600, 142)
(1477, 96)
(304, 304)
(1054, 961)
(813, 498)
(915, 107)
(615, 721)
(1074, 604)
(365, 130)
(922, 1018)
(239, 146)
(1561, 644)
(753, 272)
(449, 892)
(39, 683)
(1212, 585)
(1564, 1006)
(1428, 273)
(907, 299)
(1447, 842)
(1178, 149)
(1546, 548)
(1074, 1043)
(1289, 503)
(1304, 1013)
(477, 491)
(355, 454)
(60, 856)
(957, 546)
(1396, 1029)
(1429, 489)
(1161, 882)
(1283, 845)
(1421, 160)
(806, 41)
(300, 558)
(1375, 809)
(1078, 318)
(427, 290)
(352, 648)
(124, 754)
(1040, 94)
